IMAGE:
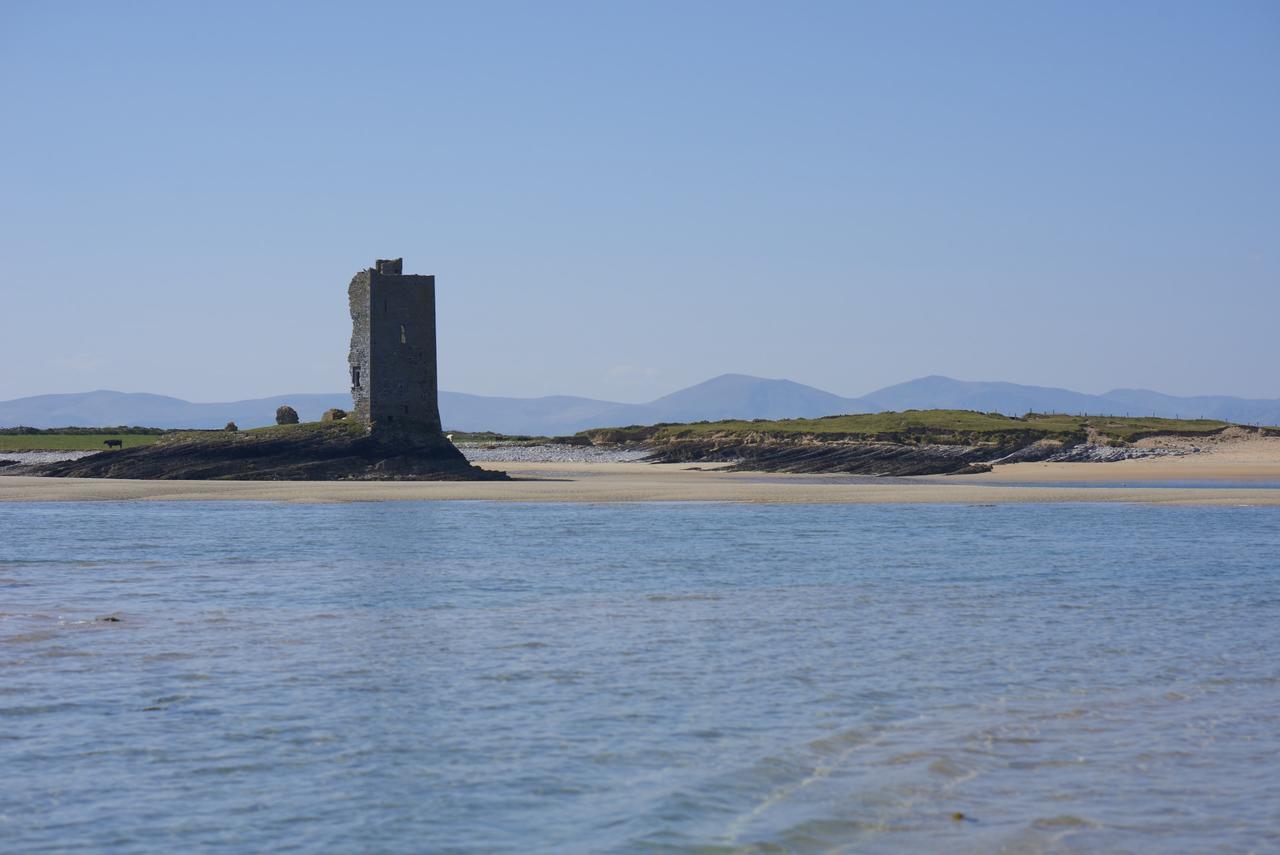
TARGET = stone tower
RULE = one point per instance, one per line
(393, 348)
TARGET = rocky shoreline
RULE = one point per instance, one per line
(333, 451)
(340, 451)
(257, 461)
(888, 458)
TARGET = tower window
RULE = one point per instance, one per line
(402, 341)
(355, 376)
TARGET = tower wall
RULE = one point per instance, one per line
(393, 348)
(358, 358)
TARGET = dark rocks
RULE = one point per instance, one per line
(338, 451)
(866, 458)
(1036, 452)
(333, 415)
(231, 427)
(846, 457)
(286, 415)
(1093, 453)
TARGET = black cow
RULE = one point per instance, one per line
(113, 443)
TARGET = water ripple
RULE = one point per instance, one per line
(474, 677)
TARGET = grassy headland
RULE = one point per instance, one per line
(915, 442)
(938, 427)
(320, 451)
(94, 438)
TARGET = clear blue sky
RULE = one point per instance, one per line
(622, 199)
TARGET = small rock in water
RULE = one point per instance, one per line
(109, 619)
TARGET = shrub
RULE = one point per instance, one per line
(231, 426)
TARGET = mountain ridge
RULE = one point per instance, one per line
(736, 396)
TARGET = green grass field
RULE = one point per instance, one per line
(70, 442)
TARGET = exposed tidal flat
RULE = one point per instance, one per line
(1179, 481)
(488, 676)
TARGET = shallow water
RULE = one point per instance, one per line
(1157, 484)
(480, 677)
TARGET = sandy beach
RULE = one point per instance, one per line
(1241, 473)
(1233, 456)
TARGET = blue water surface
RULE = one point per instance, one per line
(486, 677)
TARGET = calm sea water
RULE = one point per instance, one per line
(475, 677)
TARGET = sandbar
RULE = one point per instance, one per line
(1129, 481)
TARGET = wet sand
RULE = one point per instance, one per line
(1130, 481)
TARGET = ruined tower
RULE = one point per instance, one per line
(393, 348)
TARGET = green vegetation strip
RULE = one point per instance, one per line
(71, 442)
(942, 427)
(344, 427)
(304, 431)
(491, 438)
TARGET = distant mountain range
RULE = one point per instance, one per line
(730, 396)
